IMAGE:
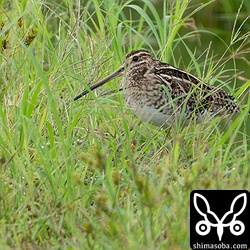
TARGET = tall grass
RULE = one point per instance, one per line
(89, 174)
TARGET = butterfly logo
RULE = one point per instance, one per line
(203, 227)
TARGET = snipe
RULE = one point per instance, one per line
(158, 92)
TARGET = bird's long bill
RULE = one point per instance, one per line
(115, 74)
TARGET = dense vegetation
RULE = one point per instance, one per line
(89, 174)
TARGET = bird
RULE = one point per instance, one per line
(159, 93)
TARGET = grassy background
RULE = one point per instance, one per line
(89, 174)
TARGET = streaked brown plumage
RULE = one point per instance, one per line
(158, 92)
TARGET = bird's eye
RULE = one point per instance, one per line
(135, 58)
